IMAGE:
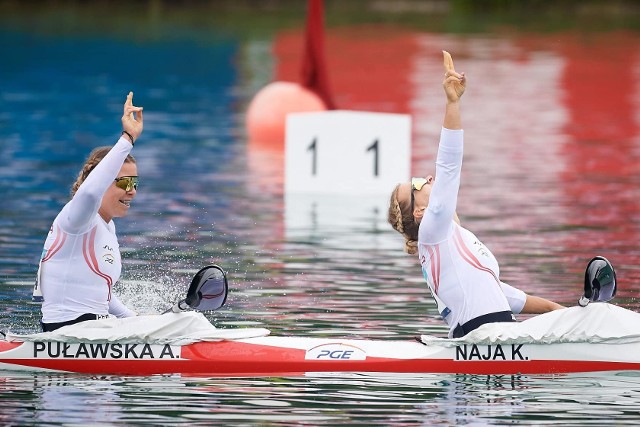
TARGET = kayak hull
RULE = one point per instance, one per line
(280, 356)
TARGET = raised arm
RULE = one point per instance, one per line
(454, 84)
(81, 210)
(436, 219)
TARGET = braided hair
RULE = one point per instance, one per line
(402, 220)
(92, 161)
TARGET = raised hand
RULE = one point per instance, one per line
(132, 122)
(454, 83)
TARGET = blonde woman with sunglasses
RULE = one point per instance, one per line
(461, 272)
(81, 262)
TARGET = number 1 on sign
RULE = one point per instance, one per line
(314, 154)
(374, 147)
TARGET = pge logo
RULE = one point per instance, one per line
(335, 351)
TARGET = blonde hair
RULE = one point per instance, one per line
(401, 219)
(92, 161)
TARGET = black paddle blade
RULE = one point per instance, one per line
(208, 290)
(600, 283)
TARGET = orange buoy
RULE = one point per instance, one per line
(267, 112)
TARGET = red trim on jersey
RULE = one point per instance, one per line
(89, 253)
(469, 257)
(58, 242)
(434, 257)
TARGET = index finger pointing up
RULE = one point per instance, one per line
(448, 62)
(129, 100)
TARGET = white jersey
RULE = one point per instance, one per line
(462, 273)
(81, 258)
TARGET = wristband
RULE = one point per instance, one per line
(124, 132)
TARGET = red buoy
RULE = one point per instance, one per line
(267, 112)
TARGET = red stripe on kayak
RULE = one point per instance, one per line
(283, 367)
(247, 359)
(5, 345)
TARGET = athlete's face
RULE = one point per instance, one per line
(116, 201)
(416, 195)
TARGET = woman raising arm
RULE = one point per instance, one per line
(461, 272)
(81, 257)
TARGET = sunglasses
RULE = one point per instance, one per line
(416, 184)
(127, 183)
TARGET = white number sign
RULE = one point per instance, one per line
(346, 152)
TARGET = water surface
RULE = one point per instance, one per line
(552, 128)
